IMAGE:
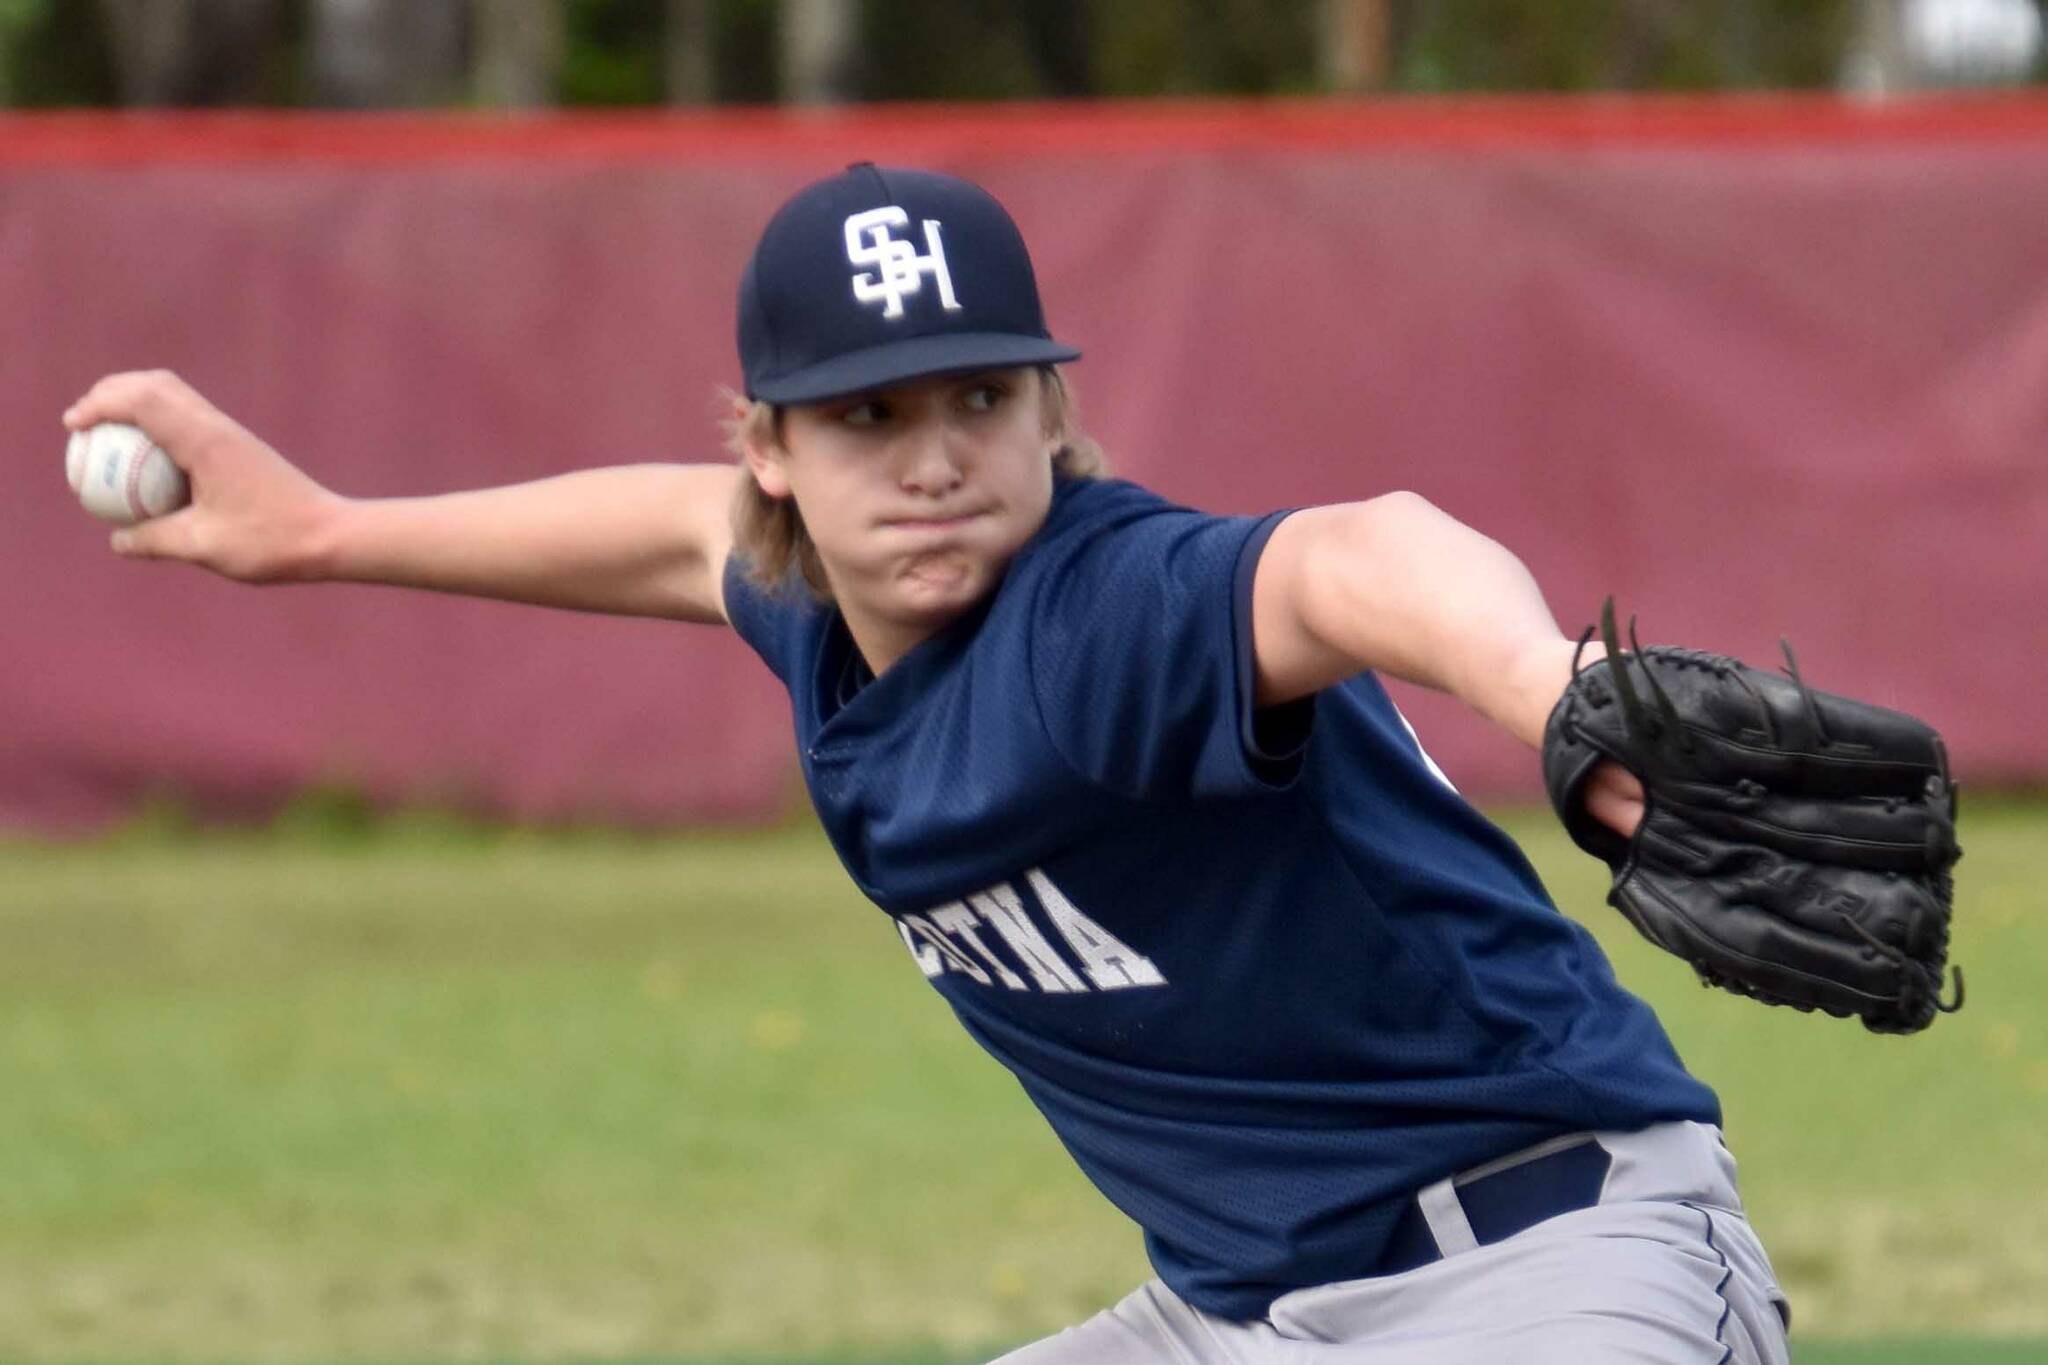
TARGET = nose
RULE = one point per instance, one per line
(932, 463)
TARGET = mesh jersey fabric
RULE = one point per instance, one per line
(1264, 972)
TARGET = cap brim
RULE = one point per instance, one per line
(911, 358)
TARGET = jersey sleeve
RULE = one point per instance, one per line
(773, 621)
(1142, 659)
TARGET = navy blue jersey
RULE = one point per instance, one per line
(1264, 972)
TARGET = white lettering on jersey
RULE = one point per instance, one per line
(923, 954)
(1110, 962)
(1002, 909)
(957, 920)
(901, 269)
(951, 956)
(935, 940)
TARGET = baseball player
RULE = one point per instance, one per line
(1123, 778)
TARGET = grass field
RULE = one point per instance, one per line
(432, 1094)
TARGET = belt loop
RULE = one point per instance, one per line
(1446, 1218)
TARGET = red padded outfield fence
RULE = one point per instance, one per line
(1756, 365)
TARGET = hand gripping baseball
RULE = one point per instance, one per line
(253, 516)
(1795, 845)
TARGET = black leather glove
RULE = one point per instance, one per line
(1795, 845)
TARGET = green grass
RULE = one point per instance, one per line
(1926, 1351)
(428, 1093)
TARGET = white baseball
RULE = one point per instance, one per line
(122, 476)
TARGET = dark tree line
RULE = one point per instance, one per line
(378, 53)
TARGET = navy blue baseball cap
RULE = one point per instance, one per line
(879, 275)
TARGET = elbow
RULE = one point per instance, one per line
(1399, 507)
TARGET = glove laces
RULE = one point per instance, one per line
(1633, 713)
(1820, 731)
(1930, 979)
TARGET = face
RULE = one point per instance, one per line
(917, 495)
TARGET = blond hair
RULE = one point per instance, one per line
(769, 533)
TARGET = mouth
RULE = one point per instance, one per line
(932, 524)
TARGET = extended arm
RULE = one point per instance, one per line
(645, 540)
(1397, 586)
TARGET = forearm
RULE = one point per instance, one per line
(1397, 586)
(634, 540)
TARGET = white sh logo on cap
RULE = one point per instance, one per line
(868, 242)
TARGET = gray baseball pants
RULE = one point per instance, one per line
(1663, 1269)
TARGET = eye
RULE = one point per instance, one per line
(869, 414)
(984, 397)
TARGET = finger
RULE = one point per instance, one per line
(111, 399)
(1614, 806)
(168, 537)
(157, 401)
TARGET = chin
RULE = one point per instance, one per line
(935, 593)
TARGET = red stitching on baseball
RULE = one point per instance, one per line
(135, 506)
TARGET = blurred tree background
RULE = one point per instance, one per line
(526, 53)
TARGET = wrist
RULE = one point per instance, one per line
(1536, 678)
(325, 545)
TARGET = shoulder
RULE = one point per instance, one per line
(1132, 622)
(1088, 515)
(775, 620)
(1111, 525)
(1095, 502)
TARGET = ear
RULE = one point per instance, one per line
(1052, 408)
(765, 462)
